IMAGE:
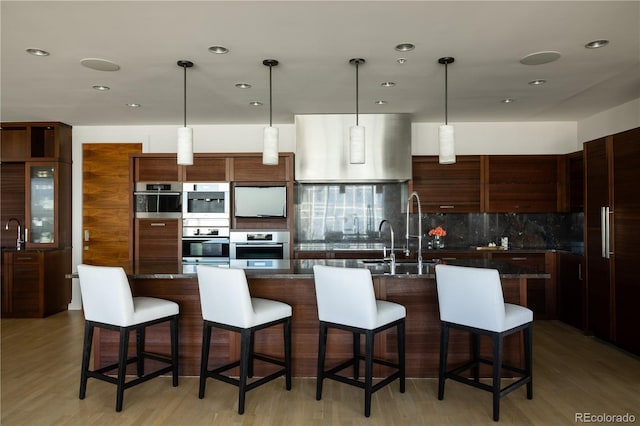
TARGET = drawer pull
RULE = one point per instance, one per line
(518, 258)
(449, 206)
(24, 258)
(158, 224)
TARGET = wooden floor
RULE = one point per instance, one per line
(40, 377)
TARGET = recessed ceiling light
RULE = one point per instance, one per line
(507, 100)
(405, 47)
(539, 58)
(255, 103)
(537, 82)
(99, 64)
(134, 105)
(220, 50)
(388, 84)
(401, 60)
(380, 102)
(243, 85)
(101, 87)
(38, 52)
(596, 44)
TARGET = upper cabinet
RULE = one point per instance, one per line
(36, 163)
(37, 141)
(525, 184)
(444, 188)
(496, 183)
(575, 185)
(155, 168)
(206, 169)
(249, 168)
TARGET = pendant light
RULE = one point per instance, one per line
(447, 147)
(185, 134)
(356, 133)
(270, 137)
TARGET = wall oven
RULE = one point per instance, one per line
(156, 200)
(205, 200)
(259, 249)
(205, 241)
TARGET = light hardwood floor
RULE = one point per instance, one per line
(41, 368)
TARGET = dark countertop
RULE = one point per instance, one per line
(304, 269)
(378, 247)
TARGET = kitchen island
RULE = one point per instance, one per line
(295, 286)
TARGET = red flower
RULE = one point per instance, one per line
(438, 231)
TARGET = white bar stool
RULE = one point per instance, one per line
(108, 304)
(346, 301)
(471, 299)
(227, 304)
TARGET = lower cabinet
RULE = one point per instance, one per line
(34, 283)
(157, 239)
(571, 290)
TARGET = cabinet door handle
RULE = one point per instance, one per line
(448, 207)
(24, 258)
(518, 258)
(86, 235)
(158, 224)
(579, 271)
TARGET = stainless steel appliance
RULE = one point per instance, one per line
(205, 200)
(154, 200)
(205, 241)
(259, 249)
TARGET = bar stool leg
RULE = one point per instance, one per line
(86, 356)
(287, 352)
(475, 350)
(497, 366)
(174, 350)
(356, 355)
(245, 360)
(368, 372)
(122, 366)
(444, 351)
(322, 347)
(204, 359)
(140, 338)
(528, 353)
(401, 355)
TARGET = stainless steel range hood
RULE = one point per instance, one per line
(322, 148)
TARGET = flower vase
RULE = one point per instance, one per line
(438, 242)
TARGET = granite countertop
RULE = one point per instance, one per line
(304, 269)
(378, 247)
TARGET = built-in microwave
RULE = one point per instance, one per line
(205, 200)
(155, 200)
(259, 249)
(205, 241)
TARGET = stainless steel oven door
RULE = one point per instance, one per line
(260, 250)
(205, 200)
(155, 200)
(205, 250)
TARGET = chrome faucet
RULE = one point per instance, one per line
(356, 227)
(419, 236)
(19, 239)
(392, 255)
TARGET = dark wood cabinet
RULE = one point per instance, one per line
(206, 169)
(612, 252)
(36, 141)
(156, 168)
(571, 289)
(34, 283)
(525, 184)
(575, 184)
(444, 188)
(158, 239)
(249, 168)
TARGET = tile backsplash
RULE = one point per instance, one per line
(353, 212)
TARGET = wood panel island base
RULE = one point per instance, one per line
(296, 287)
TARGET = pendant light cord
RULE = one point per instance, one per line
(446, 94)
(184, 67)
(357, 86)
(270, 98)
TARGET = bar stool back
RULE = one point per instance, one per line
(471, 299)
(346, 301)
(108, 303)
(227, 304)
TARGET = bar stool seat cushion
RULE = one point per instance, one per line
(268, 310)
(388, 312)
(150, 308)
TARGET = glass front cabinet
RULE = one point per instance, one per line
(41, 227)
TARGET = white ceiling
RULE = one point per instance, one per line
(313, 42)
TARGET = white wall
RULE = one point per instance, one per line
(553, 137)
(614, 120)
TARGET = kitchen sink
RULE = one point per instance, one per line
(403, 266)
